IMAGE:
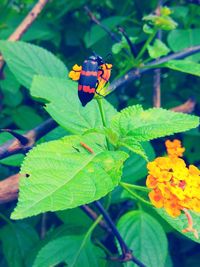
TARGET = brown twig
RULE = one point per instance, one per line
(9, 189)
(25, 24)
(132, 47)
(157, 72)
(135, 73)
(96, 21)
(43, 225)
(186, 107)
(93, 215)
(14, 146)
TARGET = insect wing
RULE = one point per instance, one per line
(87, 81)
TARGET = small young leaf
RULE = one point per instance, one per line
(64, 106)
(63, 174)
(71, 250)
(145, 236)
(26, 60)
(158, 49)
(144, 125)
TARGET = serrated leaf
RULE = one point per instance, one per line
(69, 249)
(133, 146)
(145, 236)
(17, 240)
(183, 66)
(26, 60)
(179, 223)
(63, 175)
(64, 106)
(158, 49)
(144, 125)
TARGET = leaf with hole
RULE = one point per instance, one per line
(63, 174)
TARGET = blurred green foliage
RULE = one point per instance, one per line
(65, 29)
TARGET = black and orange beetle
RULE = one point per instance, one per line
(88, 81)
(92, 77)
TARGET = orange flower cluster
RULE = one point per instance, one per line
(175, 187)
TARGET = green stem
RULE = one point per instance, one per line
(136, 187)
(99, 244)
(148, 41)
(85, 239)
(103, 118)
(6, 219)
(134, 195)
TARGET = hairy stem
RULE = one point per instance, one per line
(148, 41)
(103, 118)
(136, 187)
(134, 195)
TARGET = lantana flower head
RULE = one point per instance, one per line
(174, 186)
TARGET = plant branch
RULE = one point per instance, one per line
(25, 24)
(126, 252)
(9, 189)
(135, 73)
(14, 146)
(157, 72)
(186, 107)
(96, 21)
(113, 36)
(92, 214)
(132, 47)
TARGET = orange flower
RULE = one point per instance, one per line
(175, 187)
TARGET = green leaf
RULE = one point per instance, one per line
(133, 146)
(145, 236)
(158, 49)
(63, 175)
(26, 60)
(10, 83)
(70, 249)
(179, 223)
(26, 117)
(64, 106)
(75, 219)
(135, 166)
(144, 125)
(17, 240)
(97, 33)
(14, 160)
(180, 39)
(183, 66)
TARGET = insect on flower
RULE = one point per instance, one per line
(92, 77)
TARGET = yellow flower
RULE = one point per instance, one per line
(75, 73)
(175, 187)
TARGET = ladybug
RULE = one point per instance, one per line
(88, 81)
